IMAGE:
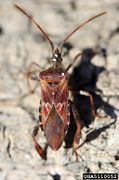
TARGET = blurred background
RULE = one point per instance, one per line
(97, 71)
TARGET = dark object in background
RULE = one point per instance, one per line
(1, 30)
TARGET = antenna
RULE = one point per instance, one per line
(78, 27)
(38, 26)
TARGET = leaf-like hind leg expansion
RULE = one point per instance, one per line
(38, 148)
(79, 124)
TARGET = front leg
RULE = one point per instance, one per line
(79, 124)
(29, 75)
(38, 148)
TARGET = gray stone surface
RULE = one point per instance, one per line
(20, 44)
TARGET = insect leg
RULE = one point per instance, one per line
(79, 124)
(39, 149)
(86, 93)
(40, 119)
(29, 75)
(74, 60)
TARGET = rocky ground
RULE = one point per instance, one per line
(97, 72)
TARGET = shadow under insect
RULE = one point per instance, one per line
(84, 77)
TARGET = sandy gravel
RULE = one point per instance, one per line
(97, 71)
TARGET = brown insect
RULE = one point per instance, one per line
(55, 119)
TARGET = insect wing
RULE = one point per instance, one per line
(55, 111)
(54, 129)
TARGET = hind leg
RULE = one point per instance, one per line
(38, 148)
(79, 124)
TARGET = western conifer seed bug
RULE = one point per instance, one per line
(54, 119)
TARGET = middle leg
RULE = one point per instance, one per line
(94, 112)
